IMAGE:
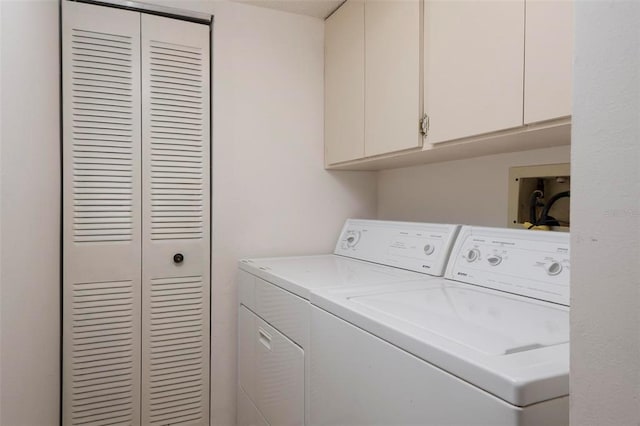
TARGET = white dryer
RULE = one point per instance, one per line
(486, 345)
(274, 312)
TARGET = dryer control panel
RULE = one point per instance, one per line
(420, 247)
(528, 263)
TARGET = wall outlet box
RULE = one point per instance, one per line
(551, 179)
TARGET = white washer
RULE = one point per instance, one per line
(486, 345)
(274, 311)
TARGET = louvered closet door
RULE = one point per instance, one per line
(175, 309)
(102, 215)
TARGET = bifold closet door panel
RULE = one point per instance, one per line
(176, 224)
(101, 215)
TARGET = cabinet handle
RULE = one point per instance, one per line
(264, 338)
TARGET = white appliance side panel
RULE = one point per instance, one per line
(554, 412)
(248, 414)
(246, 289)
(247, 361)
(357, 378)
(419, 247)
(101, 215)
(283, 310)
(271, 371)
(176, 221)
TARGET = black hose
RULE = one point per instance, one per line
(544, 216)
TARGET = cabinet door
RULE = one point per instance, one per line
(393, 101)
(344, 83)
(474, 54)
(101, 215)
(176, 221)
(548, 59)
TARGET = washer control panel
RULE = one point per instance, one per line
(420, 247)
(529, 263)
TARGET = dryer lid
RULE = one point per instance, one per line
(302, 274)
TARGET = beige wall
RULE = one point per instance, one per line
(471, 191)
(271, 195)
(29, 189)
(605, 231)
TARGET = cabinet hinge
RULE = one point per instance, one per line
(424, 125)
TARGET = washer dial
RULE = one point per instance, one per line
(352, 238)
(429, 249)
(553, 268)
(494, 259)
(472, 255)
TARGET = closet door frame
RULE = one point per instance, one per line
(153, 9)
(66, 225)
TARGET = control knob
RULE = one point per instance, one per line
(429, 249)
(553, 268)
(472, 255)
(352, 238)
(494, 259)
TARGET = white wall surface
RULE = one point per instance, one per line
(471, 191)
(271, 195)
(30, 205)
(1, 212)
(605, 203)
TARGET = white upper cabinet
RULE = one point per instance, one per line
(373, 55)
(344, 83)
(495, 72)
(548, 60)
(473, 67)
(392, 76)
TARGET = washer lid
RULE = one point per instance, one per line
(301, 274)
(512, 346)
(488, 322)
